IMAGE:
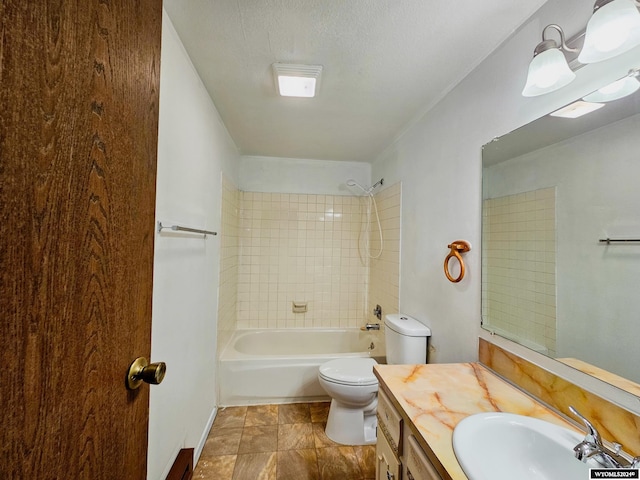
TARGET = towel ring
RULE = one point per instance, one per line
(457, 247)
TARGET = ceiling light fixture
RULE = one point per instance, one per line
(616, 90)
(577, 109)
(614, 28)
(549, 70)
(295, 80)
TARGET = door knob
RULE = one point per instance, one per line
(142, 371)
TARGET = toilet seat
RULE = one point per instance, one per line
(349, 371)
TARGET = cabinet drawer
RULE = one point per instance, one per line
(419, 467)
(387, 465)
(390, 422)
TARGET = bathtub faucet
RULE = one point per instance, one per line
(371, 326)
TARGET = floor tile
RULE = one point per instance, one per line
(366, 455)
(259, 439)
(219, 467)
(295, 436)
(319, 411)
(261, 415)
(294, 413)
(230, 417)
(243, 441)
(338, 463)
(297, 465)
(255, 466)
(320, 438)
(222, 441)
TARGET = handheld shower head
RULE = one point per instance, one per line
(353, 183)
(367, 191)
(371, 201)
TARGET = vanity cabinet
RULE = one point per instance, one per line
(390, 422)
(417, 465)
(388, 465)
(398, 454)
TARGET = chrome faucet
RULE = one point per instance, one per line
(371, 326)
(592, 447)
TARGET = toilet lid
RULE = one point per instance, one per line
(350, 371)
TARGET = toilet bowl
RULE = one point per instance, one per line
(353, 389)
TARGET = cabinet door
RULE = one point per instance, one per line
(387, 465)
(390, 422)
(418, 466)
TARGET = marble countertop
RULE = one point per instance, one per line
(436, 397)
(605, 376)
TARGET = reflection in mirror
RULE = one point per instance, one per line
(551, 191)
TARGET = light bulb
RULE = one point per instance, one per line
(618, 89)
(548, 71)
(613, 29)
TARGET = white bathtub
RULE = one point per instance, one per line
(281, 366)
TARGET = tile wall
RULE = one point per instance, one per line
(385, 270)
(279, 248)
(229, 258)
(518, 267)
(301, 248)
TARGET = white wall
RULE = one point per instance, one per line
(193, 148)
(295, 175)
(438, 160)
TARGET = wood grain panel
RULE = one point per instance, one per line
(182, 468)
(78, 138)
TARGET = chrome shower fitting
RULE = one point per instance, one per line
(367, 191)
(371, 326)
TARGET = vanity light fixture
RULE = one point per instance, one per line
(549, 70)
(618, 89)
(614, 28)
(295, 80)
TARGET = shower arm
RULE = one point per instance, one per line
(366, 191)
(378, 183)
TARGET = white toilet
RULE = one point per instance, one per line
(353, 387)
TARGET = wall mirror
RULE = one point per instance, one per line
(554, 191)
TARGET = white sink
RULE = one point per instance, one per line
(505, 446)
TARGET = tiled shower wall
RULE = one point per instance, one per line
(518, 271)
(280, 248)
(385, 270)
(229, 257)
(301, 248)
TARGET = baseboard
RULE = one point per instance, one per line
(205, 434)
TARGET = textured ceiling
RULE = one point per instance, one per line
(384, 62)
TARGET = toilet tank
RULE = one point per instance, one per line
(405, 339)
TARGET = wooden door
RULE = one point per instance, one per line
(78, 136)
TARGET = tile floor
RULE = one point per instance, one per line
(280, 442)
